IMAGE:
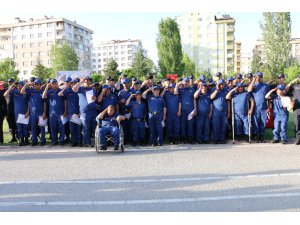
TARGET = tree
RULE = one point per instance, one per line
(63, 58)
(169, 47)
(189, 66)
(256, 62)
(292, 72)
(42, 72)
(276, 32)
(141, 65)
(111, 68)
(8, 70)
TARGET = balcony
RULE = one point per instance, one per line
(230, 38)
(230, 29)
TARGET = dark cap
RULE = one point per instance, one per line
(239, 84)
(20, 82)
(239, 76)
(10, 80)
(222, 81)
(31, 79)
(249, 75)
(38, 81)
(156, 88)
(53, 81)
(158, 82)
(280, 76)
(125, 81)
(149, 77)
(105, 86)
(281, 87)
(202, 78)
(172, 85)
(138, 92)
(259, 74)
(218, 74)
(68, 80)
(138, 82)
(230, 79)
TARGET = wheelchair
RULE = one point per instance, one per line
(109, 138)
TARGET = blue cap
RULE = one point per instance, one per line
(211, 81)
(68, 80)
(134, 79)
(105, 86)
(77, 80)
(156, 88)
(230, 79)
(95, 84)
(281, 76)
(218, 74)
(53, 81)
(202, 78)
(138, 92)
(239, 84)
(31, 79)
(204, 84)
(186, 79)
(21, 82)
(74, 81)
(125, 81)
(138, 82)
(172, 85)
(239, 76)
(281, 87)
(38, 81)
(259, 74)
(10, 80)
(222, 81)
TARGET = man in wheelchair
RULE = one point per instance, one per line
(109, 121)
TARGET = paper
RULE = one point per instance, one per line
(89, 96)
(190, 116)
(163, 123)
(75, 119)
(43, 122)
(21, 119)
(287, 103)
(64, 119)
(146, 125)
(127, 116)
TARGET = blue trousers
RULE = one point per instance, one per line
(259, 121)
(280, 123)
(219, 125)
(22, 129)
(34, 121)
(203, 128)
(126, 127)
(173, 126)
(138, 130)
(113, 131)
(89, 125)
(187, 126)
(75, 130)
(156, 129)
(56, 124)
(241, 124)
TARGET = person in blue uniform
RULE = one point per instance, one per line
(259, 89)
(3, 110)
(107, 98)
(188, 105)
(20, 107)
(220, 112)
(37, 106)
(109, 126)
(123, 95)
(87, 107)
(72, 99)
(137, 120)
(243, 103)
(281, 114)
(56, 111)
(173, 106)
(10, 117)
(204, 114)
(157, 114)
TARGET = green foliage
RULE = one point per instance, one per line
(189, 66)
(128, 72)
(292, 72)
(256, 62)
(63, 58)
(276, 32)
(8, 70)
(111, 68)
(169, 47)
(141, 65)
(42, 72)
(97, 77)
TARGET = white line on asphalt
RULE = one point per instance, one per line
(154, 180)
(149, 201)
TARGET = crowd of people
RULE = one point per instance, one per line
(176, 111)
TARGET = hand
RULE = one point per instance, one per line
(179, 113)
(65, 114)
(123, 101)
(164, 118)
(119, 119)
(275, 89)
(210, 115)
(94, 98)
(26, 114)
(48, 85)
(218, 87)
(44, 116)
(144, 82)
(195, 113)
(12, 86)
(132, 95)
(250, 112)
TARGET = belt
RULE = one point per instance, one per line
(155, 113)
(138, 119)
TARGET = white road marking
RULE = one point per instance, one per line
(149, 201)
(154, 180)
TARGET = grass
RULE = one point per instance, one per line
(268, 133)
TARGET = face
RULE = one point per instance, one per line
(111, 110)
(186, 84)
(54, 85)
(280, 80)
(279, 92)
(259, 79)
(156, 92)
(230, 84)
(111, 83)
(150, 82)
(138, 97)
(172, 90)
(19, 87)
(204, 89)
(137, 86)
(37, 86)
(107, 91)
(87, 82)
(240, 89)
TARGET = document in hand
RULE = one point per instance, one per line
(64, 119)
(75, 119)
(21, 119)
(287, 103)
(190, 116)
(89, 96)
(43, 122)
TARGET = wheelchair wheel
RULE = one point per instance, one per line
(121, 146)
(97, 142)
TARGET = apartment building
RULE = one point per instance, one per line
(237, 56)
(122, 51)
(208, 39)
(26, 41)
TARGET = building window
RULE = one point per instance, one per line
(40, 26)
(110, 53)
(123, 59)
(49, 24)
(49, 34)
(41, 44)
(199, 19)
(116, 53)
(69, 26)
(99, 60)
(94, 60)
(49, 43)
(129, 57)
(24, 71)
(15, 37)
(99, 54)
(32, 63)
(104, 54)
(31, 35)
(31, 27)
(123, 53)
(123, 46)
(40, 35)
(99, 48)
(23, 37)
(99, 66)
(23, 45)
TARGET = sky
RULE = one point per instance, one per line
(144, 25)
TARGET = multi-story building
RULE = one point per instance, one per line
(246, 59)
(26, 41)
(122, 51)
(237, 56)
(208, 39)
(295, 50)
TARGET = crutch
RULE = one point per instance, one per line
(232, 120)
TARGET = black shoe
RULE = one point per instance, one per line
(183, 141)
(190, 140)
(262, 139)
(21, 142)
(53, 143)
(34, 143)
(297, 142)
(216, 142)
(159, 144)
(80, 145)
(73, 145)
(116, 148)
(133, 144)
(143, 143)
(256, 139)
(199, 142)
(42, 143)
(103, 148)
(223, 142)
(26, 142)
(91, 146)
(206, 142)
(154, 145)
(13, 140)
(86, 145)
(284, 142)
(275, 141)
(61, 143)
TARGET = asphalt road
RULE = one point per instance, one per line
(240, 177)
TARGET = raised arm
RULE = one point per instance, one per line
(78, 85)
(7, 93)
(228, 96)
(44, 96)
(251, 85)
(129, 99)
(61, 93)
(268, 95)
(144, 95)
(23, 90)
